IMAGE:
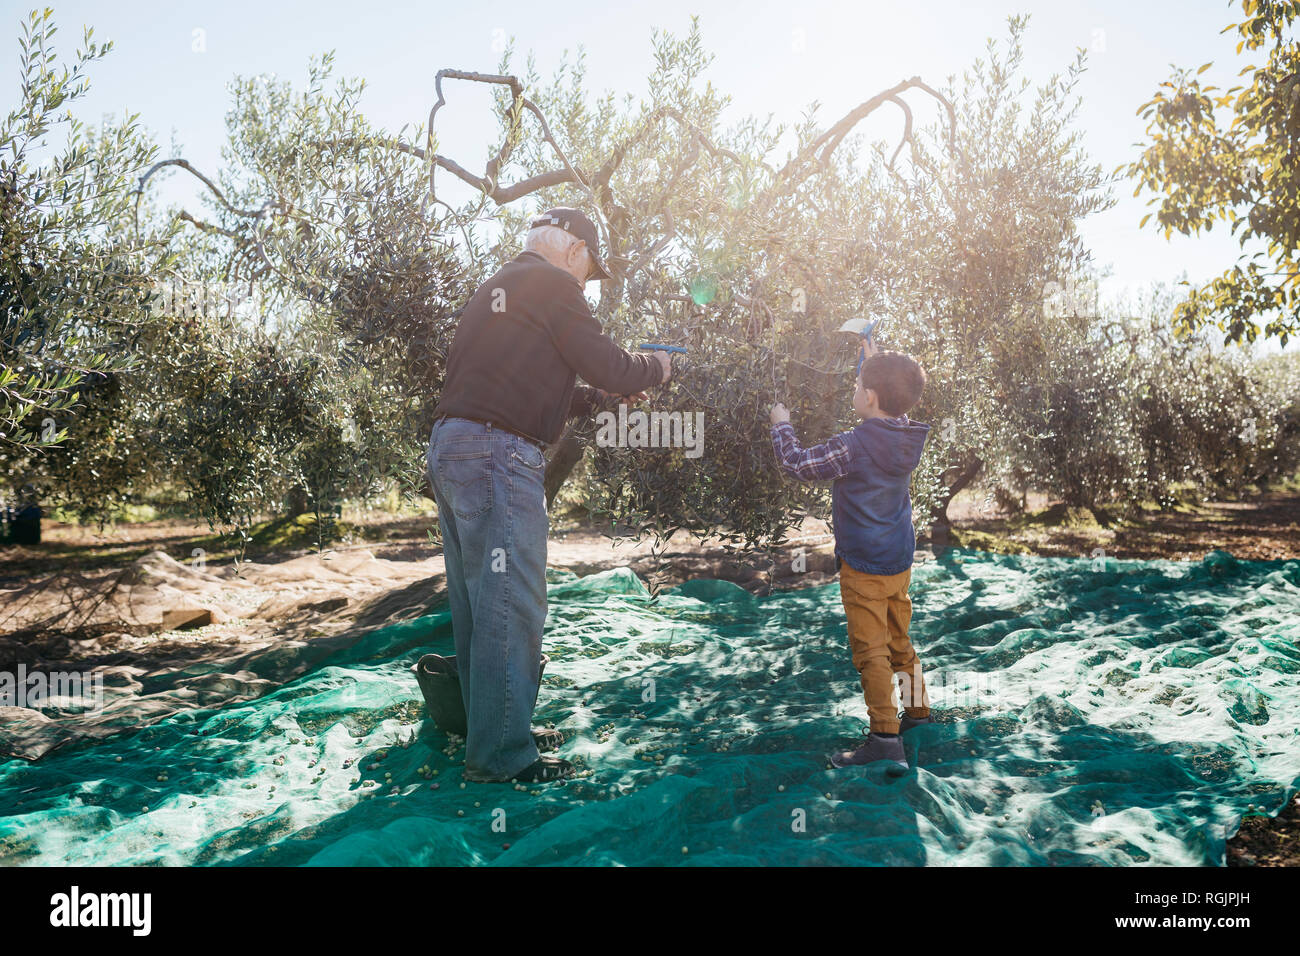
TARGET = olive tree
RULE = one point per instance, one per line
(750, 256)
(1231, 156)
(74, 278)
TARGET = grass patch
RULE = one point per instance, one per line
(278, 534)
(987, 541)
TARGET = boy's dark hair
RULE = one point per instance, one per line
(896, 378)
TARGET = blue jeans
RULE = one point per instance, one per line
(492, 510)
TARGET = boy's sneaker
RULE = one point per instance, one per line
(544, 770)
(906, 723)
(876, 748)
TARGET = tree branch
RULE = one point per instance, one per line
(831, 139)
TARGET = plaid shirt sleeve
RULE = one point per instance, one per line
(828, 460)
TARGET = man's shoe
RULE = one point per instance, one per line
(906, 723)
(876, 748)
(439, 682)
(544, 770)
(547, 739)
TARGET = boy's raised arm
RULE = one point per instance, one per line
(819, 463)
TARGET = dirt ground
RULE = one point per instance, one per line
(1262, 527)
(161, 596)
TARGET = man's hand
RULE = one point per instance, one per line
(868, 349)
(779, 414)
(666, 362)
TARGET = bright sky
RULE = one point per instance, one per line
(770, 57)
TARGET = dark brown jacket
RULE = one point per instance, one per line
(514, 366)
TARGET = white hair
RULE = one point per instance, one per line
(550, 242)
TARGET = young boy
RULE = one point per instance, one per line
(872, 508)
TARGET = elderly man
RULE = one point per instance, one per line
(522, 338)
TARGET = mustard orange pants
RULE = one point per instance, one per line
(878, 611)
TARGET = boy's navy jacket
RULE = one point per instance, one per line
(872, 504)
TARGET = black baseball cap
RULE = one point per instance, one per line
(576, 223)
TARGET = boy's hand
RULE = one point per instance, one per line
(868, 349)
(779, 414)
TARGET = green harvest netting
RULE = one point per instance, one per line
(1092, 713)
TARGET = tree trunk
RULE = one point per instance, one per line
(965, 476)
(564, 457)
(297, 501)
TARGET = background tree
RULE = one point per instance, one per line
(1235, 157)
(302, 334)
(74, 283)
